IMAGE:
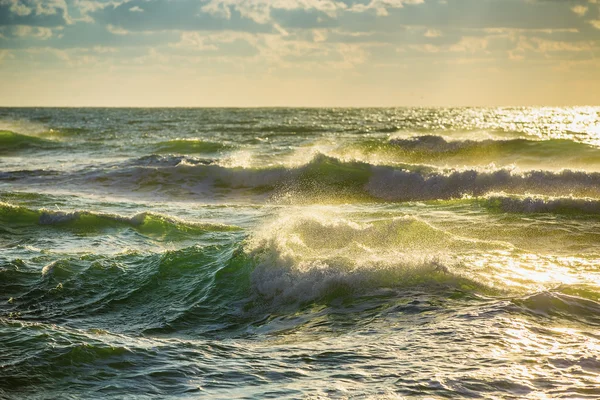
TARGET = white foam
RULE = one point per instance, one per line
(48, 269)
(306, 254)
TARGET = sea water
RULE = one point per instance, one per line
(299, 253)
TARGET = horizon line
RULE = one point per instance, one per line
(307, 107)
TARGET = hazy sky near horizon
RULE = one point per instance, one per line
(299, 53)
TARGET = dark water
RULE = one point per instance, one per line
(299, 253)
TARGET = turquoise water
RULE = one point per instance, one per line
(293, 253)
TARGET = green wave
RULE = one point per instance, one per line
(156, 289)
(435, 149)
(10, 141)
(145, 222)
(191, 146)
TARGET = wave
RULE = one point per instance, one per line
(64, 132)
(533, 205)
(144, 222)
(28, 174)
(10, 141)
(156, 289)
(169, 160)
(308, 256)
(402, 185)
(322, 178)
(565, 302)
(438, 144)
(191, 146)
(436, 149)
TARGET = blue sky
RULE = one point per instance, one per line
(299, 53)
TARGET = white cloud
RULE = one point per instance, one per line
(381, 6)
(115, 30)
(425, 48)
(136, 9)
(260, 10)
(545, 46)
(49, 7)
(23, 31)
(104, 49)
(470, 44)
(17, 7)
(432, 33)
(319, 35)
(580, 10)
(37, 32)
(595, 23)
(24, 8)
(196, 41)
(85, 7)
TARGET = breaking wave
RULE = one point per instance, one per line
(326, 178)
(305, 256)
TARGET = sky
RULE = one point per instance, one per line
(321, 53)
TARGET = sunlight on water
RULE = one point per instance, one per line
(332, 253)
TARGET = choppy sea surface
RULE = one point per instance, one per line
(300, 253)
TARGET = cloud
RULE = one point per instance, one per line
(22, 31)
(381, 6)
(46, 13)
(17, 8)
(182, 15)
(260, 10)
(432, 33)
(470, 45)
(312, 39)
(579, 10)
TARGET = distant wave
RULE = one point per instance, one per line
(326, 178)
(11, 141)
(392, 184)
(438, 144)
(168, 160)
(431, 148)
(530, 204)
(64, 132)
(190, 146)
(145, 222)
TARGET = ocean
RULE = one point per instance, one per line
(299, 253)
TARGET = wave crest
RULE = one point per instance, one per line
(324, 178)
(145, 222)
(303, 258)
(533, 205)
(11, 141)
(437, 150)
